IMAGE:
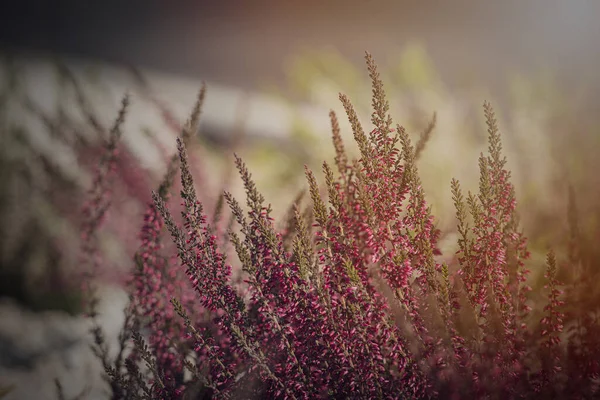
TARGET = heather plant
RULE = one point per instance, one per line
(550, 140)
(351, 299)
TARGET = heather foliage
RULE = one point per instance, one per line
(350, 299)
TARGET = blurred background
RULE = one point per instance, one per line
(273, 70)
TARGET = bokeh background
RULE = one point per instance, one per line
(273, 70)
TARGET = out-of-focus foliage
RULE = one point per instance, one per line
(51, 139)
(29, 258)
(5, 390)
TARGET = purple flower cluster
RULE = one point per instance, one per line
(356, 304)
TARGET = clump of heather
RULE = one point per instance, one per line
(350, 300)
